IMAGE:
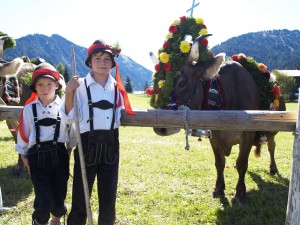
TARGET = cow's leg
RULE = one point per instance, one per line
(11, 124)
(271, 148)
(220, 165)
(242, 165)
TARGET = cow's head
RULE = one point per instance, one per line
(189, 85)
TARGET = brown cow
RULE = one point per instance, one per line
(241, 93)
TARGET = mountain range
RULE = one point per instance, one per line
(278, 49)
(56, 49)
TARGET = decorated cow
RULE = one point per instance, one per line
(189, 75)
(15, 78)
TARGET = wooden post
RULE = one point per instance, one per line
(293, 204)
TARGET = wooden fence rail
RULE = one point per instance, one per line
(197, 119)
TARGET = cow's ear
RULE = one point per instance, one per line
(215, 66)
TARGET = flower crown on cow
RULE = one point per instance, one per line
(171, 55)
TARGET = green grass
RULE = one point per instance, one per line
(160, 183)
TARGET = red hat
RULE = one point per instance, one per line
(44, 70)
(101, 46)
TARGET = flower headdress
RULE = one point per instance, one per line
(172, 54)
(268, 88)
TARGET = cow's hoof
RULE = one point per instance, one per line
(273, 171)
(18, 171)
(216, 194)
(240, 198)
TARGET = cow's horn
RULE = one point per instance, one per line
(201, 37)
(154, 58)
(194, 53)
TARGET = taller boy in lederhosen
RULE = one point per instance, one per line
(100, 99)
(42, 138)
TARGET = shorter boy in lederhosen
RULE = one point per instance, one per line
(42, 138)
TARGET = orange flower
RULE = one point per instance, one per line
(262, 67)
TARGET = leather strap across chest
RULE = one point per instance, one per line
(102, 104)
(45, 122)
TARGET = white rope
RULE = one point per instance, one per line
(186, 125)
(296, 134)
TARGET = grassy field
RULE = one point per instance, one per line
(162, 184)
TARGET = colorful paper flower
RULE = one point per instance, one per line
(164, 57)
(185, 46)
(262, 67)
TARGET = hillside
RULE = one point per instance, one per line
(278, 49)
(56, 49)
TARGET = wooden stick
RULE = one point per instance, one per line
(79, 146)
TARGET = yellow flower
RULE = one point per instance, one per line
(176, 22)
(161, 83)
(164, 57)
(154, 75)
(169, 36)
(199, 20)
(185, 47)
(276, 103)
(203, 31)
(156, 97)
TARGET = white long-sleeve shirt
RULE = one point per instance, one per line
(102, 119)
(66, 132)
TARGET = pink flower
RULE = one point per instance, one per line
(166, 44)
(167, 67)
(173, 29)
(183, 18)
(204, 42)
(157, 67)
(149, 91)
(202, 26)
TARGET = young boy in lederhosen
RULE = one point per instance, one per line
(100, 99)
(41, 141)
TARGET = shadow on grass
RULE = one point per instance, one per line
(266, 204)
(14, 189)
(7, 138)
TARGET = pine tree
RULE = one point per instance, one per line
(128, 85)
(63, 71)
(146, 86)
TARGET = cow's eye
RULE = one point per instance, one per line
(182, 84)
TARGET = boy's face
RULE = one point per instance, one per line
(101, 63)
(46, 88)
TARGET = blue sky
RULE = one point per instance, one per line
(141, 26)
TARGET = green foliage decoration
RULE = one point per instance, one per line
(9, 43)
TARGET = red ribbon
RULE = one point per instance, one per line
(122, 89)
(20, 126)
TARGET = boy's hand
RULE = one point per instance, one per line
(26, 163)
(72, 84)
